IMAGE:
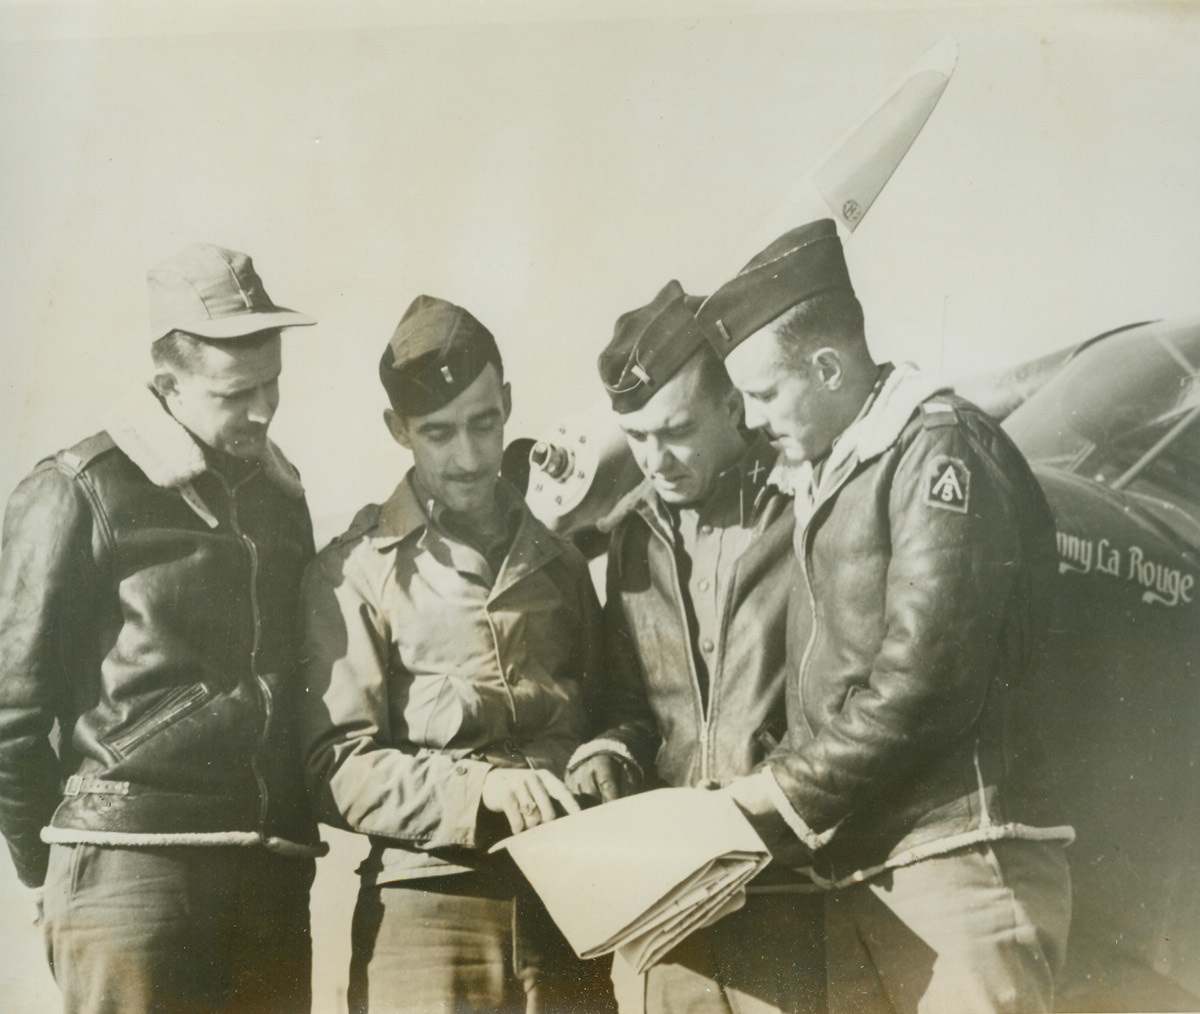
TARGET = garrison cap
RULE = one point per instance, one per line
(649, 346)
(435, 353)
(801, 264)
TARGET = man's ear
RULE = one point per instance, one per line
(736, 406)
(828, 364)
(397, 427)
(165, 384)
(506, 398)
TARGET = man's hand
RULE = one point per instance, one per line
(604, 777)
(753, 799)
(750, 794)
(526, 796)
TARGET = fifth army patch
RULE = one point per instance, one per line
(947, 484)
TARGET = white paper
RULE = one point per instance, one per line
(642, 872)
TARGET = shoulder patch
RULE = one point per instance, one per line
(935, 413)
(947, 484)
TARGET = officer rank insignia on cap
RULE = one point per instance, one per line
(801, 264)
(435, 353)
(947, 484)
(649, 346)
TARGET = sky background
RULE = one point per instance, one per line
(550, 166)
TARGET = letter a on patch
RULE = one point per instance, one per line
(947, 484)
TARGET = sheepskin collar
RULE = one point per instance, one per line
(900, 390)
(169, 455)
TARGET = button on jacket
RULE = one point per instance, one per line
(696, 689)
(928, 554)
(147, 605)
(425, 669)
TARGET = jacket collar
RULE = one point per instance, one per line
(169, 455)
(402, 515)
(745, 483)
(904, 387)
(900, 391)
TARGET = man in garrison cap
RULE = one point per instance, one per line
(450, 644)
(148, 595)
(699, 571)
(909, 781)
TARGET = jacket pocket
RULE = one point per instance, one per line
(173, 706)
(854, 690)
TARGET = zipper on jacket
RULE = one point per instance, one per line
(718, 666)
(812, 605)
(848, 470)
(260, 684)
(268, 710)
(175, 704)
(691, 660)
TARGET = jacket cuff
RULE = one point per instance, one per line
(31, 860)
(595, 747)
(798, 824)
(462, 804)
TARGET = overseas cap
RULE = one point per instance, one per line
(649, 346)
(435, 353)
(215, 293)
(802, 263)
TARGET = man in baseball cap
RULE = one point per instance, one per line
(451, 642)
(148, 592)
(215, 293)
(909, 780)
(217, 349)
(699, 568)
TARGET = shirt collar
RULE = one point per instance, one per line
(741, 488)
(508, 506)
(532, 546)
(400, 515)
(409, 510)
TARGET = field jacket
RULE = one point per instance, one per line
(147, 605)
(425, 669)
(928, 553)
(657, 716)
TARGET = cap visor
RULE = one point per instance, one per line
(245, 324)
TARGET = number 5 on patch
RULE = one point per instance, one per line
(947, 484)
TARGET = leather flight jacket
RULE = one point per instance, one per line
(658, 715)
(148, 608)
(928, 556)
